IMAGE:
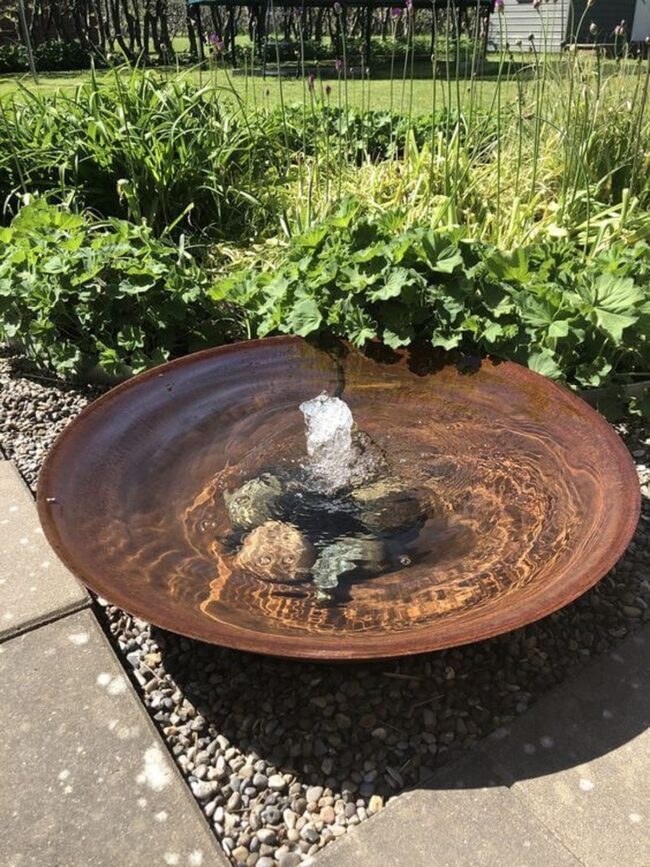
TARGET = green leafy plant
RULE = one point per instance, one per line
(13, 58)
(582, 320)
(141, 147)
(50, 56)
(76, 294)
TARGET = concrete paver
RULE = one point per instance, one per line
(35, 587)
(568, 784)
(86, 781)
(449, 827)
(580, 761)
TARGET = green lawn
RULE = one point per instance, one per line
(377, 93)
(380, 92)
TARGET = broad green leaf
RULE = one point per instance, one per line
(312, 238)
(442, 257)
(446, 342)
(593, 373)
(304, 318)
(54, 265)
(615, 294)
(512, 267)
(397, 281)
(614, 324)
(360, 327)
(492, 331)
(398, 324)
(355, 280)
(543, 361)
(559, 328)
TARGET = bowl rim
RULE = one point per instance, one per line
(351, 647)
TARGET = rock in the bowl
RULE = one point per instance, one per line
(385, 506)
(254, 502)
(276, 551)
(346, 555)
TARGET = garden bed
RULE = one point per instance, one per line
(285, 756)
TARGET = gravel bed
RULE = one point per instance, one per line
(285, 756)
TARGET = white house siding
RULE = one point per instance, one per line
(641, 27)
(519, 20)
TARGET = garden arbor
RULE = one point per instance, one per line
(470, 16)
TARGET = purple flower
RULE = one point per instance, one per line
(328, 89)
(338, 64)
(537, 4)
(395, 13)
(216, 42)
(409, 5)
(311, 78)
(338, 8)
(499, 6)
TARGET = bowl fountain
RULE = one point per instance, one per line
(325, 503)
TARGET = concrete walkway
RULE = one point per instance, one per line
(85, 779)
(568, 784)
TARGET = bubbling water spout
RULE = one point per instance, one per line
(330, 449)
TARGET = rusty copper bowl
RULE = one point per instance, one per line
(535, 496)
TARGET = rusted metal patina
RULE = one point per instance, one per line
(530, 498)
